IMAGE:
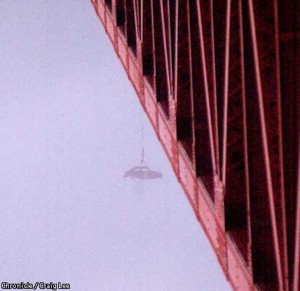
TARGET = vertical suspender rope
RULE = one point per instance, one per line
(143, 151)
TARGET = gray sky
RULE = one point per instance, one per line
(70, 126)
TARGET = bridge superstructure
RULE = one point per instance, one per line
(220, 83)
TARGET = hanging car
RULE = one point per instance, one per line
(143, 173)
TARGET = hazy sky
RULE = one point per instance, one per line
(70, 126)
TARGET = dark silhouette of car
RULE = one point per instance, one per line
(142, 172)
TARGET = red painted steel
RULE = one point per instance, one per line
(220, 83)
